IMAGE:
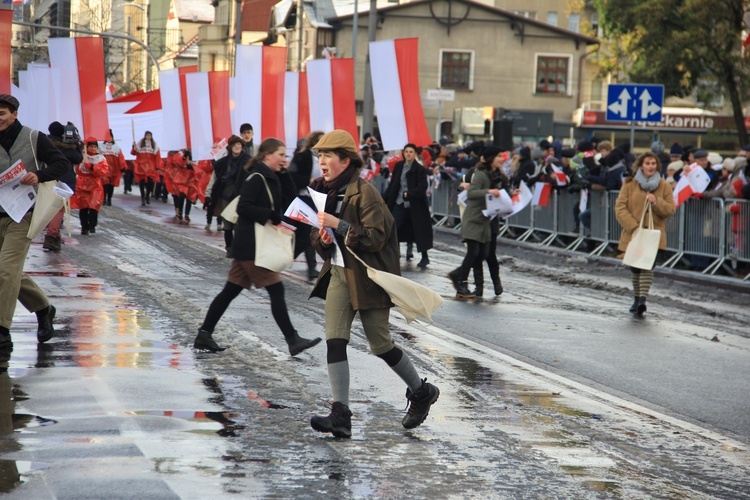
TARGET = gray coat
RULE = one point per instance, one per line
(474, 225)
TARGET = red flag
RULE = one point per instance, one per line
(542, 191)
(6, 22)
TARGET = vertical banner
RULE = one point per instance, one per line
(303, 116)
(258, 96)
(80, 62)
(396, 90)
(208, 111)
(330, 89)
(6, 31)
(291, 109)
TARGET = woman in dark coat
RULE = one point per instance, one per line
(255, 205)
(406, 197)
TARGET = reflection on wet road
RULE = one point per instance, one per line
(119, 405)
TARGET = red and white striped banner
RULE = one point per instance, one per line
(395, 87)
(208, 111)
(81, 64)
(296, 108)
(331, 109)
(174, 104)
(6, 31)
(131, 115)
(258, 90)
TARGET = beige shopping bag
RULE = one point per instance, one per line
(643, 247)
(274, 246)
(411, 299)
(50, 198)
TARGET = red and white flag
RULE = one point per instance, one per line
(694, 179)
(80, 61)
(6, 32)
(395, 86)
(296, 108)
(131, 115)
(542, 192)
(739, 182)
(560, 177)
(173, 88)
(208, 111)
(258, 90)
(330, 88)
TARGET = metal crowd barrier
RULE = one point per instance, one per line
(706, 227)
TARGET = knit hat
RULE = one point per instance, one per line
(746, 147)
(576, 161)
(675, 166)
(92, 140)
(657, 147)
(586, 146)
(544, 144)
(740, 162)
(57, 129)
(490, 152)
(537, 154)
(337, 139)
(675, 150)
(234, 139)
(728, 165)
(568, 153)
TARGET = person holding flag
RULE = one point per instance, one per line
(147, 164)
(89, 195)
(645, 186)
(116, 162)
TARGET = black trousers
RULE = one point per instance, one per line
(89, 218)
(476, 252)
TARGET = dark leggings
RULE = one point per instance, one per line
(89, 218)
(492, 264)
(147, 187)
(476, 252)
(182, 201)
(337, 352)
(109, 190)
(231, 291)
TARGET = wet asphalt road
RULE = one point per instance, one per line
(548, 391)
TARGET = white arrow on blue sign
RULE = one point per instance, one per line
(634, 102)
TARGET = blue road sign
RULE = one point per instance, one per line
(634, 102)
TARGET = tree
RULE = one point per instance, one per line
(683, 44)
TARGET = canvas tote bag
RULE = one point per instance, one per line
(411, 299)
(643, 247)
(274, 245)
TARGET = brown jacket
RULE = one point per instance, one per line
(372, 235)
(629, 209)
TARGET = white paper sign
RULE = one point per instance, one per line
(15, 198)
(319, 199)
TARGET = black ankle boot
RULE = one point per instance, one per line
(205, 341)
(498, 285)
(298, 344)
(634, 307)
(640, 307)
(479, 281)
(338, 422)
(46, 330)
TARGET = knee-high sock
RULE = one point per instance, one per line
(647, 277)
(338, 370)
(402, 365)
(635, 276)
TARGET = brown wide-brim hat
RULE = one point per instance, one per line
(336, 139)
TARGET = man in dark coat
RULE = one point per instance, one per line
(406, 197)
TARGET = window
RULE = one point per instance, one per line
(596, 28)
(531, 14)
(457, 70)
(574, 22)
(324, 38)
(552, 75)
(552, 18)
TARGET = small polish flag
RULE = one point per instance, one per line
(694, 180)
(80, 61)
(560, 177)
(208, 111)
(739, 183)
(542, 192)
(395, 87)
(258, 90)
(331, 109)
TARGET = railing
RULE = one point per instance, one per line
(714, 229)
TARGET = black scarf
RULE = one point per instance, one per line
(334, 186)
(9, 135)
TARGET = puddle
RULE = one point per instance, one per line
(229, 426)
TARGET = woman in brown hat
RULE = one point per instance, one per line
(358, 218)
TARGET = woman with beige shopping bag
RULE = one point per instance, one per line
(264, 196)
(358, 218)
(646, 190)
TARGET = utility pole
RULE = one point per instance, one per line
(368, 104)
